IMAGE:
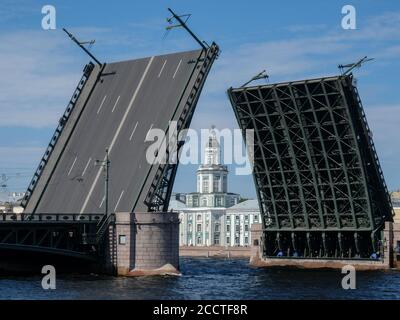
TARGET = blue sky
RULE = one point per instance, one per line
(291, 39)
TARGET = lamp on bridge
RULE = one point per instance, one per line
(106, 165)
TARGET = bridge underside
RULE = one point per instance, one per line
(317, 175)
(67, 235)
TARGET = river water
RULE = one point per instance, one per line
(210, 278)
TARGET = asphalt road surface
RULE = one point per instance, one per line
(130, 98)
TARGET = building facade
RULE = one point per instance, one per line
(228, 227)
(212, 216)
(396, 205)
(212, 180)
(238, 221)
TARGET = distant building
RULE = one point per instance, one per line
(239, 218)
(212, 216)
(396, 205)
(10, 202)
(212, 180)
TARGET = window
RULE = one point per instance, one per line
(219, 201)
(198, 240)
(237, 228)
(246, 240)
(216, 184)
(198, 217)
(216, 240)
(228, 241)
(237, 241)
(195, 201)
(204, 203)
(228, 228)
(246, 227)
(256, 218)
(246, 218)
(190, 227)
(199, 228)
(216, 227)
(205, 184)
(122, 239)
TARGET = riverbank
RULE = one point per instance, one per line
(215, 251)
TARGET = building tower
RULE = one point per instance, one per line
(212, 179)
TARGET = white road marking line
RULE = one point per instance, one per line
(117, 133)
(173, 77)
(151, 127)
(70, 170)
(133, 131)
(101, 104)
(115, 104)
(119, 199)
(87, 164)
(102, 201)
(162, 68)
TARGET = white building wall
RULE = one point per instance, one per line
(239, 231)
(238, 234)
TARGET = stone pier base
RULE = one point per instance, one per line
(391, 238)
(144, 244)
(359, 265)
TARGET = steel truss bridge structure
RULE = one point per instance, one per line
(113, 108)
(318, 179)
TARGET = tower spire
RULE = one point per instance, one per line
(212, 150)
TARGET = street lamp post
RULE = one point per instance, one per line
(106, 166)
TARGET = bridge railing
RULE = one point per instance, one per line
(61, 125)
(50, 218)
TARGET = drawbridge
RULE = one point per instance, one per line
(97, 160)
(318, 179)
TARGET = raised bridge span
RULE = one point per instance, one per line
(115, 110)
(318, 179)
(113, 107)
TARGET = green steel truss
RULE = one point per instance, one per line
(317, 175)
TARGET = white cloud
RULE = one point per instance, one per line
(384, 123)
(24, 157)
(11, 9)
(37, 77)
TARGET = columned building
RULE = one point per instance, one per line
(212, 216)
(238, 220)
